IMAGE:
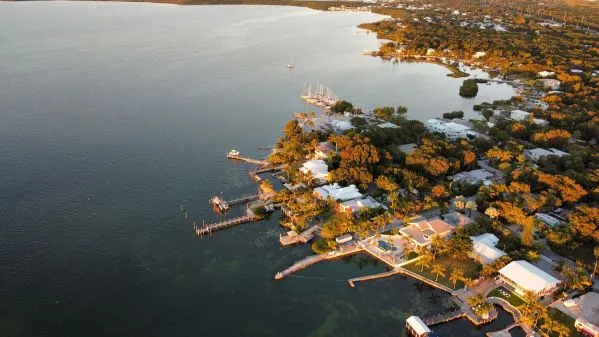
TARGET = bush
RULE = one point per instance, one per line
(322, 246)
(259, 211)
(342, 106)
(453, 115)
(469, 88)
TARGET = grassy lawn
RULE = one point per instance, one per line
(514, 299)
(471, 270)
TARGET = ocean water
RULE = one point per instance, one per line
(113, 115)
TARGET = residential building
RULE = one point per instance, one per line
(483, 248)
(479, 54)
(474, 177)
(519, 115)
(548, 219)
(337, 193)
(545, 73)
(522, 277)
(408, 148)
(350, 207)
(421, 233)
(451, 130)
(317, 168)
(456, 219)
(536, 154)
(551, 83)
(324, 150)
(388, 125)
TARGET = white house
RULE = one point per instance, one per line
(536, 154)
(519, 115)
(337, 192)
(551, 83)
(317, 168)
(479, 54)
(483, 248)
(451, 130)
(548, 219)
(545, 73)
(352, 206)
(522, 276)
(474, 177)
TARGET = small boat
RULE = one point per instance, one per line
(290, 65)
(233, 154)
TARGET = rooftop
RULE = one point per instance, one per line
(337, 192)
(528, 277)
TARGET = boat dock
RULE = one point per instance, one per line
(207, 229)
(248, 160)
(223, 205)
(310, 260)
(372, 277)
(442, 318)
(292, 238)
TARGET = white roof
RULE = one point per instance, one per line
(388, 125)
(483, 246)
(548, 219)
(528, 277)
(318, 168)
(487, 238)
(337, 192)
(417, 325)
(408, 148)
(357, 204)
(456, 126)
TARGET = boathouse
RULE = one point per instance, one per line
(416, 327)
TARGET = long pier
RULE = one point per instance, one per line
(310, 260)
(442, 318)
(426, 280)
(243, 200)
(209, 228)
(372, 277)
(249, 160)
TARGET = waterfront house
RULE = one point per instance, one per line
(317, 168)
(350, 207)
(536, 154)
(456, 219)
(337, 193)
(417, 327)
(343, 238)
(421, 233)
(545, 73)
(483, 248)
(522, 276)
(451, 130)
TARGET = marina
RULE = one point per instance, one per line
(320, 96)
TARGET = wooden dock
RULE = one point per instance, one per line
(249, 160)
(312, 259)
(372, 277)
(207, 229)
(442, 318)
(243, 200)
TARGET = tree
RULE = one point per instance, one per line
(584, 221)
(528, 234)
(456, 275)
(424, 261)
(384, 113)
(438, 270)
(459, 203)
(342, 106)
(401, 110)
(492, 212)
(470, 206)
(469, 88)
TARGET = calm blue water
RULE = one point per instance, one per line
(113, 115)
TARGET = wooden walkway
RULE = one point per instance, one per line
(372, 277)
(310, 260)
(442, 318)
(425, 280)
(243, 200)
(249, 160)
(209, 228)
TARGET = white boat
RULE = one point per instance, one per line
(233, 154)
(290, 65)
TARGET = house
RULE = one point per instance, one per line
(474, 177)
(388, 125)
(340, 125)
(576, 71)
(536, 154)
(352, 206)
(456, 219)
(522, 276)
(408, 148)
(483, 248)
(317, 168)
(545, 73)
(551, 83)
(430, 51)
(324, 150)
(479, 54)
(519, 115)
(337, 192)
(417, 327)
(451, 130)
(548, 219)
(344, 238)
(421, 233)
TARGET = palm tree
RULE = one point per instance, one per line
(492, 212)
(456, 275)
(438, 270)
(424, 261)
(471, 206)
(549, 325)
(562, 330)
